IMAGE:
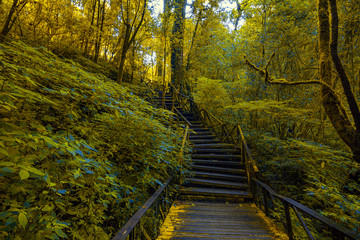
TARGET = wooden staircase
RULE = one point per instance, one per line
(218, 174)
(220, 177)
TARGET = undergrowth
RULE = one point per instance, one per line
(79, 153)
(316, 175)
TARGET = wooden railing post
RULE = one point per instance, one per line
(289, 229)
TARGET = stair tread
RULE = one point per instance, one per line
(218, 150)
(212, 145)
(219, 175)
(217, 182)
(218, 192)
(219, 169)
(201, 137)
(216, 162)
(211, 156)
(199, 133)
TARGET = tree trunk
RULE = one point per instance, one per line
(98, 40)
(124, 50)
(193, 40)
(128, 40)
(355, 147)
(90, 29)
(331, 102)
(7, 26)
(177, 45)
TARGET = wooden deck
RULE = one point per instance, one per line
(191, 220)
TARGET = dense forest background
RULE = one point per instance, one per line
(80, 150)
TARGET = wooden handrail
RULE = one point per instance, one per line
(135, 219)
(303, 224)
(311, 213)
(251, 159)
(182, 116)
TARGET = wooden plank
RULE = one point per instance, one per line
(217, 183)
(215, 156)
(217, 192)
(219, 169)
(220, 176)
(204, 220)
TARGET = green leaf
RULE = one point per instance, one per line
(36, 171)
(24, 174)
(7, 169)
(22, 219)
(46, 208)
(60, 233)
(6, 164)
(3, 151)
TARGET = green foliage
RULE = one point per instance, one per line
(211, 93)
(314, 174)
(79, 153)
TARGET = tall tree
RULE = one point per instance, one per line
(11, 17)
(132, 27)
(328, 37)
(177, 45)
(100, 27)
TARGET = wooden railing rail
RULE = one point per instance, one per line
(134, 229)
(338, 232)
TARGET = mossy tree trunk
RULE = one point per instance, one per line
(177, 45)
(331, 102)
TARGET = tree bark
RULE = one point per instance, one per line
(7, 26)
(345, 80)
(100, 31)
(86, 51)
(177, 45)
(333, 107)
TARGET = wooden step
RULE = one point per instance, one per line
(217, 183)
(214, 146)
(197, 129)
(218, 169)
(216, 156)
(217, 163)
(202, 133)
(216, 192)
(217, 150)
(202, 137)
(230, 177)
(204, 141)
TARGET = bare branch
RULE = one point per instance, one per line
(271, 80)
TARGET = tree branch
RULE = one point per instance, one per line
(271, 80)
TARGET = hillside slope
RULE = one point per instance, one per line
(79, 153)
